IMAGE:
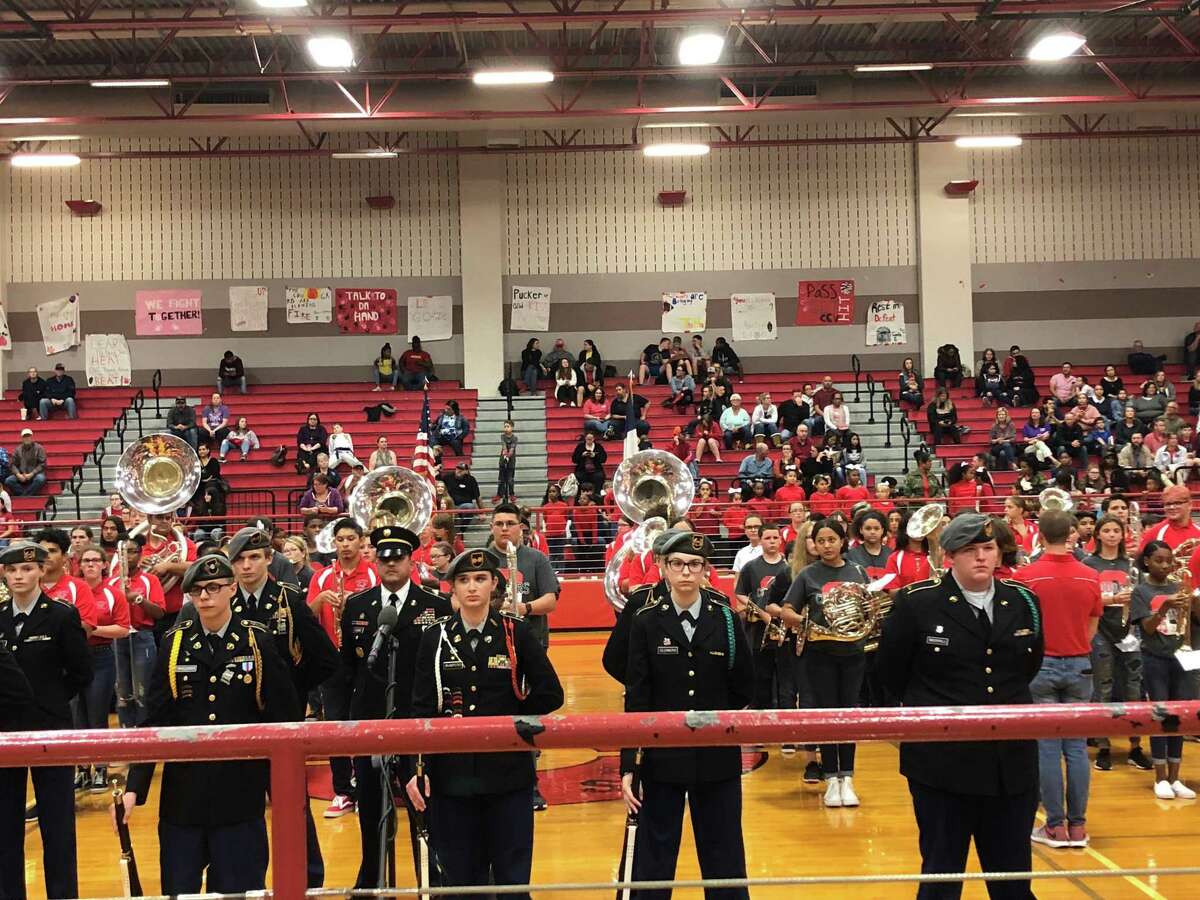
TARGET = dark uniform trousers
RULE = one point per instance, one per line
(666, 671)
(53, 654)
(418, 610)
(234, 855)
(481, 809)
(936, 650)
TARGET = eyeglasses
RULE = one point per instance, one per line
(694, 566)
(1170, 503)
(89, 560)
(211, 587)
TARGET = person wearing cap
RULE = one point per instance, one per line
(686, 652)
(58, 394)
(462, 486)
(371, 698)
(181, 422)
(479, 662)
(1177, 527)
(967, 639)
(27, 467)
(47, 639)
(215, 668)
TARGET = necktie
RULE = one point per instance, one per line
(19, 620)
(214, 641)
(686, 618)
(983, 617)
(394, 600)
(474, 640)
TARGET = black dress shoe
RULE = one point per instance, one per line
(539, 802)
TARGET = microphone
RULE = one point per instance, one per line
(388, 617)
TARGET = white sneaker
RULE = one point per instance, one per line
(1163, 790)
(1182, 791)
(849, 798)
(833, 792)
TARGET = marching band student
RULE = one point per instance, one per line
(163, 557)
(481, 663)
(869, 529)
(754, 586)
(853, 491)
(686, 652)
(136, 653)
(910, 562)
(752, 529)
(1024, 531)
(797, 515)
(58, 584)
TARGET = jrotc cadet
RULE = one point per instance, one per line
(417, 609)
(48, 641)
(300, 640)
(967, 639)
(16, 696)
(214, 669)
(481, 663)
(687, 652)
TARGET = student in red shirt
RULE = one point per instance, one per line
(822, 502)
(759, 502)
(586, 530)
(704, 515)
(790, 492)
(797, 515)
(910, 561)
(708, 439)
(1024, 531)
(443, 529)
(965, 493)
(554, 513)
(61, 586)
(853, 491)
(1071, 605)
(162, 542)
(735, 512)
(1178, 525)
(884, 487)
(136, 654)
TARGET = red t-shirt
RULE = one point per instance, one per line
(415, 361)
(704, 517)
(111, 609)
(587, 518)
(151, 590)
(906, 567)
(761, 506)
(787, 495)
(173, 597)
(554, 518)
(1070, 596)
(822, 503)
(1171, 534)
(76, 592)
(364, 576)
(883, 506)
(848, 496)
(965, 495)
(638, 570)
(735, 517)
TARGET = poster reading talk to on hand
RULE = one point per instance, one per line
(59, 320)
(168, 313)
(308, 305)
(106, 360)
(530, 308)
(825, 303)
(684, 311)
(366, 310)
(248, 308)
(753, 317)
(885, 323)
(431, 318)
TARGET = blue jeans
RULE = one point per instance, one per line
(91, 706)
(1165, 680)
(1005, 455)
(135, 664)
(599, 426)
(222, 384)
(737, 434)
(22, 489)
(530, 376)
(1064, 679)
(45, 407)
(393, 378)
(228, 444)
(413, 381)
(816, 425)
(766, 429)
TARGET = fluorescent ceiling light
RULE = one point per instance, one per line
(47, 160)
(895, 67)
(675, 150)
(493, 77)
(365, 154)
(281, 4)
(35, 138)
(676, 125)
(986, 115)
(987, 141)
(131, 82)
(701, 48)
(331, 52)
(1056, 45)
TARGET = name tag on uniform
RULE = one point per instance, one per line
(38, 637)
(668, 650)
(937, 641)
(452, 664)
(1022, 632)
(716, 652)
(185, 669)
(499, 661)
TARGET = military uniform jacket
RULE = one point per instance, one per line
(299, 638)
(16, 696)
(360, 618)
(667, 672)
(242, 682)
(53, 653)
(616, 650)
(935, 651)
(448, 669)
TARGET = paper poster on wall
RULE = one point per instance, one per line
(530, 309)
(168, 313)
(885, 323)
(248, 308)
(106, 360)
(684, 311)
(5, 335)
(753, 317)
(60, 323)
(308, 305)
(431, 318)
(366, 310)
(825, 303)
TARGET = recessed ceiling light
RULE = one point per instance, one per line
(985, 115)
(1056, 45)
(44, 160)
(331, 52)
(35, 138)
(131, 82)
(700, 48)
(895, 67)
(281, 4)
(494, 77)
(675, 150)
(365, 154)
(987, 141)
(649, 125)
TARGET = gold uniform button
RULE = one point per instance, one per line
(987, 669)
(473, 688)
(212, 717)
(691, 693)
(212, 679)
(989, 651)
(473, 668)
(689, 654)
(212, 698)
(691, 674)
(471, 707)
(991, 690)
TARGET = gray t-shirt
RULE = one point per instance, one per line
(755, 581)
(809, 587)
(535, 578)
(509, 442)
(1115, 575)
(1146, 600)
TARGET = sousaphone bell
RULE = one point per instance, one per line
(389, 495)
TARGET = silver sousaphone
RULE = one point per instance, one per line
(389, 495)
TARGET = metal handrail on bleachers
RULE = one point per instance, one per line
(156, 386)
(856, 366)
(139, 400)
(242, 503)
(74, 484)
(871, 389)
(889, 412)
(906, 432)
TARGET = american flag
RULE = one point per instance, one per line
(422, 458)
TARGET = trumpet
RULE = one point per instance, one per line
(775, 630)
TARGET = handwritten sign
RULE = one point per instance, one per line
(366, 310)
(106, 360)
(825, 303)
(430, 318)
(885, 323)
(5, 334)
(308, 305)
(168, 313)
(59, 320)
(248, 308)
(753, 317)
(684, 311)
(530, 309)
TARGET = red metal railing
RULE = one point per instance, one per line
(288, 745)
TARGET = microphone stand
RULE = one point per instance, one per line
(387, 815)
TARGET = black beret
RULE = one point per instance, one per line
(248, 539)
(966, 529)
(688, 542)
(22, 551)
(473, 561)
(393, 542)
(206, 568)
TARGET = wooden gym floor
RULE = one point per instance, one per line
(786, 828)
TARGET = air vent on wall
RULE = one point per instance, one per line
(249, 95)
(789, 87)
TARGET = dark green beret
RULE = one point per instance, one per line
(966, 529)
(688, 542)
(472, 561)
(22, 551)
(207, 568)
(248, 539)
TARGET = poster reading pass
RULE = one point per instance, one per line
(825, 303)
(366, 310)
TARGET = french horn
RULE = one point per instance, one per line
(389, 495)
(852, 613)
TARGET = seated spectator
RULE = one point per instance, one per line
(853, 491)
(27, 469)
(756, 467)
(341, 448)
(240, 436)
(551, 360)
(683, 387)
(590, 365)
(921, 483)
(680, 358)
(949, 371)
(1127, 427)
(837, 416)
(1171, 419)
(181, 422)
(620, 410)
(416, 367)
(989, 358)
(1174, 462)
(822, 501)
(724, 356)
(462, 486)
(381, 456)
(704, 407)
(10, 527)
(764, 420)
(589, 457)
(59, 393)
(385, 368)
(1069, 439)
(966, 490)
(786, 462)
(311, 439)
(1194, 395)
(451, 428)
(759, 503)
(789, 492)
(854, 459)
(33, 389)
(1141, 362)
(1156, 438)
(322, 500)
(700, 358)
(1150, 405)
(1085, 413)
(793, 413)
(707, 434)
(943, 419)
(1135, 458)
(990, 386)
(1191, 351)
(680, 447)
(1003, 440)
(1029, 479)
(1064, 386)
(1018, 376)
(1094, 481)
(531, 365)
(231, 372)
(821, 398)
(735, 424)
(655, 362)
(908, 369)
(595, 413)
(885, 489)
(1112, 383)
(567, 389)
(910, 393)
(214, 422)
(323, 467)
(1050, 414)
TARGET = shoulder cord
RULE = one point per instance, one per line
(173, 664)
(1033, 609)
(520, 690)
(294, 647)
(258, 671)
(437, 667)
(725, 611)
